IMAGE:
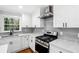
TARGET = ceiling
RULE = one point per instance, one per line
(15, 8)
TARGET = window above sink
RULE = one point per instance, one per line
(11, 23)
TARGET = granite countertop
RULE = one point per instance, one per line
(66, 44)
(4, 39)
(21, 34)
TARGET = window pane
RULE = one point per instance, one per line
(6, 27)
(6, 20)
(10, 23)
(11, 20)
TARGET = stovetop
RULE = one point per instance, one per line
(46, 38)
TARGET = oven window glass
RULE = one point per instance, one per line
(41, 49)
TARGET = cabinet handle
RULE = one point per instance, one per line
(11, 43)
(31, 41)
(66, 25)
(60, 52)
(63, 25)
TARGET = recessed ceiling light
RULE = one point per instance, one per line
(20, 7)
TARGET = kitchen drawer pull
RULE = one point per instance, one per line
(11, 43)
(31, 40)
(63, 25)
(66, 25)
(60, 52)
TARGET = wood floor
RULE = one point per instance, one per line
(26, 51)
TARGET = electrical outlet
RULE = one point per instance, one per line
(61, 33)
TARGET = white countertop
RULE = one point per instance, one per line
(4, 39)
(22, 34)
(66, 44)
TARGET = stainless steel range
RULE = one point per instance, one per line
(42, 42)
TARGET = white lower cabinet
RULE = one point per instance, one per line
(17, 43)
(56, 49)
(24, 42)
(14, 44)
(32, 42)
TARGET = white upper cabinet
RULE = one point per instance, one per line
(26, 20)
(36, 21)
(66, 16)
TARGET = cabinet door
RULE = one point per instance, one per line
(58, 19)
(68, 13)
(24, 40)
(14, 44)
(32, 43)
(73, 16)
(58, 23)
(57, 49)
(26, 20)
(52, 50)
(36, 21)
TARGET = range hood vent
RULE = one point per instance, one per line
(47, 13)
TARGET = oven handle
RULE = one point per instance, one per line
(41, 44)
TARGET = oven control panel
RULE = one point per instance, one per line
(42, 43)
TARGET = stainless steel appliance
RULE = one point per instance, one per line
(47, 12)
(42, 42)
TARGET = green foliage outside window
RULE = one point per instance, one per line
(11, 23)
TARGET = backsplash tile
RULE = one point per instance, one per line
(71, 33)
(27, 30)
(38, 30)
(68, 33)
(48, 24)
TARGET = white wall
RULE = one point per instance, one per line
(26, 20)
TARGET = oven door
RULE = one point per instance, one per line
(41, 49)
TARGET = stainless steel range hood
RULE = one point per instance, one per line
(48, 12)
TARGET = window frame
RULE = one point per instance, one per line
(11, 25)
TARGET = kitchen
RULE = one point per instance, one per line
(39, 28)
